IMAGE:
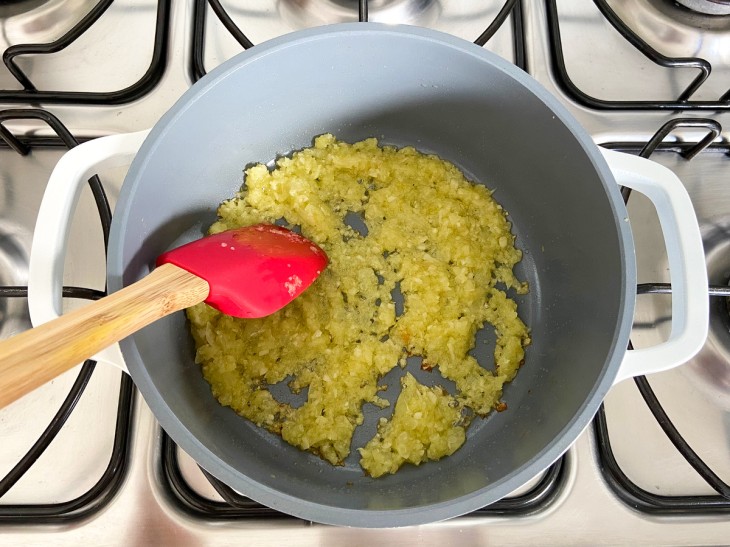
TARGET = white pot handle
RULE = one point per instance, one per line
(48, 251)
(683, 241)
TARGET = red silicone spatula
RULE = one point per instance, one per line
(247, 272)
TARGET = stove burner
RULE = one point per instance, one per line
(306, 13)
(8, 8)
(708, 7)
(676, 30)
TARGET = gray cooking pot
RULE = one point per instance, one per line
(406, 86)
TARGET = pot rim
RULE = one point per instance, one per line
(321, 512)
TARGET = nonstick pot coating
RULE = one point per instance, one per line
(406, 86)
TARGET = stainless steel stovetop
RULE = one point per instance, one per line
(111, 476)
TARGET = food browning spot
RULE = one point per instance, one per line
(500, 407)
(435, 241)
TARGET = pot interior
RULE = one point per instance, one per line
(441, 95)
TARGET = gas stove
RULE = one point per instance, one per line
(83, 459)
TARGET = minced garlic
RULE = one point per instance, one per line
(440, 240)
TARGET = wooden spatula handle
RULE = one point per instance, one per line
(38, 355)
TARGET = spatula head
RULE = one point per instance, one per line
(252, 271)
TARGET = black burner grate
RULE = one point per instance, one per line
(683, 100)
(153, 75)
(617, 480)
(197, 67)
(104, 490)
(236, 506)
